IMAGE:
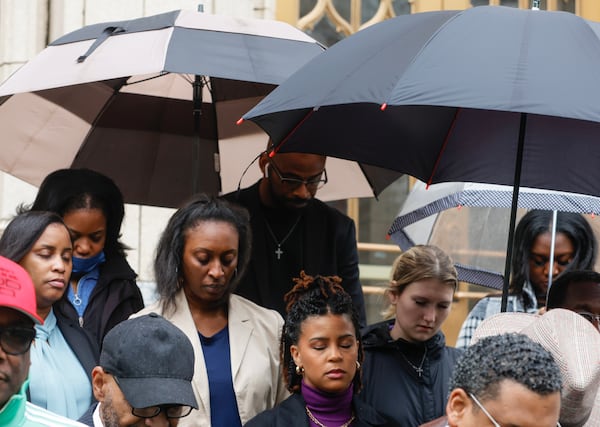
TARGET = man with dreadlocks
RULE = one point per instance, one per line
(321, 357)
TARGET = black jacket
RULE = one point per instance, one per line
(88, 417)
(81, 342)
(329, 248)
(115, 297)
(392, 386)
(292, 413)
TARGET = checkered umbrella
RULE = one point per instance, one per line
(470, 221)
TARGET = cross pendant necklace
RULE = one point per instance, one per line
(278, 251)
(418, 369)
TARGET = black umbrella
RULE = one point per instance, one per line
(489, 94)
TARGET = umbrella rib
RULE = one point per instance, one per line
(369, 181)
(444, 144)
(161, 74)
(288, 136)
(96, 119)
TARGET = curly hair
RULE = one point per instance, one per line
(314, 296)
(534, 223)
(420, 262)
(516, 357)
(169, 251)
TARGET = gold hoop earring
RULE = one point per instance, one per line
(299, 370)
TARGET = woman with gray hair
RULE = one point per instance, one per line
(407, 365)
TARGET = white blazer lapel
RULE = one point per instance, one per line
(240, 331)
(182, 318)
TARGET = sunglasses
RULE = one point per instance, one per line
(16, 340)
(170, 411)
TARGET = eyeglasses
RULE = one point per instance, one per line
(594, 319)
(170, 411)
(312, 184)
(487, 414)
(16, 340)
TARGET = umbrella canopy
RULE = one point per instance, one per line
(475, 238)
(489, 94)
(453, 84)
(152, 103)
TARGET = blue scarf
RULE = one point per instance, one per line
(58, 381)
(85, 265)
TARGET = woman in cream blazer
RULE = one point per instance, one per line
(200, 257)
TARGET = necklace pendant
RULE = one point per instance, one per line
(278, 252)
(419, 371)
(320, 424)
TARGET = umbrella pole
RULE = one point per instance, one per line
(513, 211)
(551, 260)
(197, 109)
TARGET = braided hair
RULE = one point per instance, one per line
(314, 296)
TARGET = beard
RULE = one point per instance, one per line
(108, 415)
(289, 204)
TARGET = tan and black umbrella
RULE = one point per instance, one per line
(152, 103)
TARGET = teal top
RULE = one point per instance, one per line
(18, 412)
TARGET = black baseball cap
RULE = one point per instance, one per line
(152, 360)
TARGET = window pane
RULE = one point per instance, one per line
(325, 31)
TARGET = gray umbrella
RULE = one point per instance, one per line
(489, 94)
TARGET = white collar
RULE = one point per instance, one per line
(96, 416)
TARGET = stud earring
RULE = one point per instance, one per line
(357, 365)
(299, 370)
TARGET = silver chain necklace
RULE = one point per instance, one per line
(418, 369)
(278, 251)
(319, 423)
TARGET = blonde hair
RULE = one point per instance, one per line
(420, 262)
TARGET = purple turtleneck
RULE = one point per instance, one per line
(330, 409)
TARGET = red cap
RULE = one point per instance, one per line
(17, 290)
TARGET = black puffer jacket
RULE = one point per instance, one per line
(393, 387)
(115, 297)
